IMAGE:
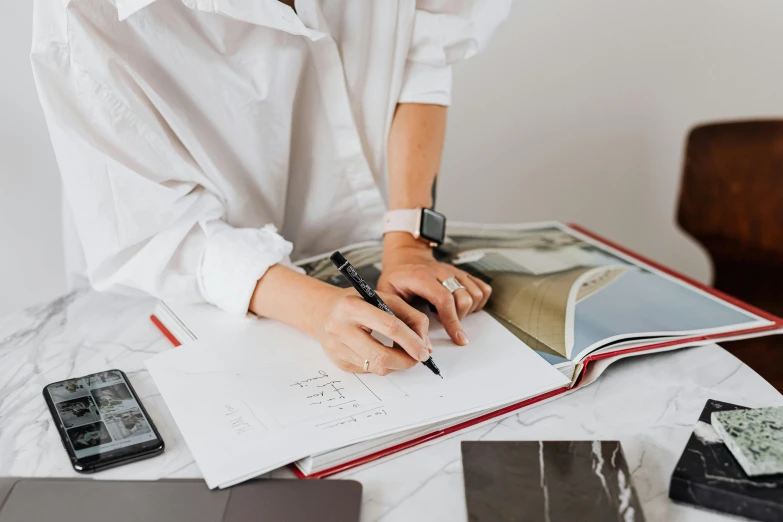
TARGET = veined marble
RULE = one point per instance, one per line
(650, 404)
(553, 481)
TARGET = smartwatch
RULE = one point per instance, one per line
(421, 223)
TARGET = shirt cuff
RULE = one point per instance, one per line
(233, 261)
(425, 83)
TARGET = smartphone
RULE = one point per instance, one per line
(101, 421)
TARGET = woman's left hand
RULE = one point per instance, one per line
(410, 270)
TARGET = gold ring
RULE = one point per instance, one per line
(366, 366)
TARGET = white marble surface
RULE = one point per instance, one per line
(648, 403)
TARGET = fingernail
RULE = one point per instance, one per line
(429, 343)
(424, 354)
(462, 338)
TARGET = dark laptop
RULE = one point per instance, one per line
(75, 500)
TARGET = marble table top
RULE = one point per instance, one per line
(648, 403)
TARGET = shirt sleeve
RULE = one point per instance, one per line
(445, 32)
(145, 214)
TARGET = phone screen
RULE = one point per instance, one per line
(100, 415)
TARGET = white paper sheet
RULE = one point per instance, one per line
(247, 405)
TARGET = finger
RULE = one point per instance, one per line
(416, 321)
(343, 357)
(463, 301)
(364, 314)
(462, 297)
(348, 367)
(383, 359)
(384, 286)
(350, 361)
(486, 290)
(427, 287)
(471, 288)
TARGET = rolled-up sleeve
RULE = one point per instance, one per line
(234, 259)
(146, 216)
(445, 32)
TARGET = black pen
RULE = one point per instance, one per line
(370, 296)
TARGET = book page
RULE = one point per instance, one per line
(251, 403)
(566, 294)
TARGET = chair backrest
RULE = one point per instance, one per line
(731, 198)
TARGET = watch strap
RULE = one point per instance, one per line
(403, 220)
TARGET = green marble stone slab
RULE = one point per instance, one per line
(754, 437)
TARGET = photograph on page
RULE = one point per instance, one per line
(566, 295)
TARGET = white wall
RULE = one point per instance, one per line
(578, 112)
(31, 258)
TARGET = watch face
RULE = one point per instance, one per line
(433, 226)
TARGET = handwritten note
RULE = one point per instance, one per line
(325, 390)
(302, 394)
(237, 421)
(231, 417)
(354, 419)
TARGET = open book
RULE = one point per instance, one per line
(561, 299)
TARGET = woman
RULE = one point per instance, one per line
(203, 144)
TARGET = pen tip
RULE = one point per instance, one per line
(439, 375)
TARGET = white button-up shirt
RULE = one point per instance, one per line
(202, 141)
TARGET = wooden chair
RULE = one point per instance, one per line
(731, 201)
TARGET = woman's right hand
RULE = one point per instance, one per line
(343, 326)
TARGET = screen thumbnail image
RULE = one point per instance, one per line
(127, 424)
(70, 389)
(74, 412)
(113, 398)
(88, 436)
(103, 378)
